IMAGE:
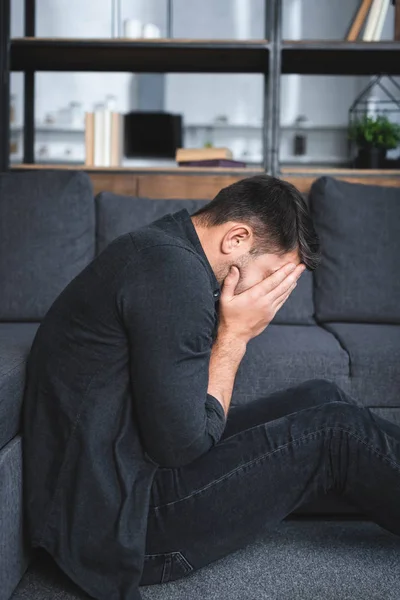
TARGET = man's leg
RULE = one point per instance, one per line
(275, 455)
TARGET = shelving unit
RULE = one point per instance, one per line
(270, 57)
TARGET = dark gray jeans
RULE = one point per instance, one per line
(275, 454)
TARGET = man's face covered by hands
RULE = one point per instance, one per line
(254, 269)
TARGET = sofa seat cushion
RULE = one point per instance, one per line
(47, 236)
(117, 214)
(374, 354)
(286, 355)
(358, 278)
(15, 342)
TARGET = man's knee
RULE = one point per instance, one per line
(329, 391)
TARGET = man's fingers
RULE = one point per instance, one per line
(269, 283)
(230, 282)
(285, 294)
(281, 280)
(286, 284)
(283, 299)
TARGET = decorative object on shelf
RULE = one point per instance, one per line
(13, 108)
(235, 164)
(300, 136)
(152, 134)
(376, 20)
(14, 147)
(133, 28)
(396, 4)
(185, 155)
(358, 21)
(151, 31)
(141, 26)
(89, 139)
(369, 19)
(49, 119)
(103, 137)
(374, 124)
(373, 136)
(43, 152)
(208, 139)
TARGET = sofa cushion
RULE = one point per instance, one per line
(15, 548)
(286, 355)
(15, 342)
(374, 354)
(359, 227)
(46, 238)
(116, 215)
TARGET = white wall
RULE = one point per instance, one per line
(202, 98)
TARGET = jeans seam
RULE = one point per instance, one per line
(184, 562)
(259, 458)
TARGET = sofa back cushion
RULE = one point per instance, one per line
(116, 215)
(47, 236)
(359, 227)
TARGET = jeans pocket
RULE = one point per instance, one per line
(168, 566)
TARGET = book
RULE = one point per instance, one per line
(381, 20)
(190, 154)
(222, 162)
(89, 139)
(106, 137)
(98, 138)
(116, 140)
(359, 20)
(372, 20)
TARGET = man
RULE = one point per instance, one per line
(137, 471)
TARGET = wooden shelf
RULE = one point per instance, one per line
(135, 56)
(149, 170)
(340, 58)
(291, 170)
(340, 171)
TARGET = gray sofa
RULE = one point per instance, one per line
(341, 323)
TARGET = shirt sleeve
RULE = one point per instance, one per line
(168, 310)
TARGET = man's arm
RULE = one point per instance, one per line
(226, 355)
(241, 318)
(168, 311)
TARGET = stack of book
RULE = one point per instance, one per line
(104, 137)
(206, 157)
(368, 21)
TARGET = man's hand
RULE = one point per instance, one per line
(246, 315)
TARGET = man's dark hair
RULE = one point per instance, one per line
(276, 211)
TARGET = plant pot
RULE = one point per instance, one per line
(370, 158)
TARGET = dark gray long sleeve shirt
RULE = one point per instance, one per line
(116, 386)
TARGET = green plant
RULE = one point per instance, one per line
(376, 132)
(208, 145)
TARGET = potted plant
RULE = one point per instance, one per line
(373, 137)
